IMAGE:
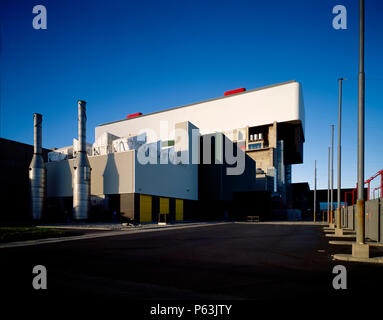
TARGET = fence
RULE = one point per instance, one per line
(373, 219)
(372, 193)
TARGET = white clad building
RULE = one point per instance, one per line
(266, 124)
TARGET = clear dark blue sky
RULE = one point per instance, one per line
(141, 56)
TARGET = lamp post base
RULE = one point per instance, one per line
(360, 250)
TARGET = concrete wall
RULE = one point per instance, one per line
(373, 219)
(278, 103)
(273, 135)
(264, 158)
(128, 205)
(167, 180)
(121, 173)
(60, 178)
(111, 174)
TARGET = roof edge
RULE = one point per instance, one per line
(203, 101)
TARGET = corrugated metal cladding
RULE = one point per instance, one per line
(164, 205)
(145, 208)
(179, 209)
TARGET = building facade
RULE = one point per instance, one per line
(212, 157)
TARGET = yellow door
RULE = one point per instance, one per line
(145, 208)
(179, 209)
(164, 205)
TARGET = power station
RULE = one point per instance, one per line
(222, 157)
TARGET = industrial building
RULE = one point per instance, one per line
(222, 157)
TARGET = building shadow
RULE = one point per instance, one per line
(111, 184)
(218, 191)
(59, 179)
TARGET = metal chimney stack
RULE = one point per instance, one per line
(37, 171)
(81, 176)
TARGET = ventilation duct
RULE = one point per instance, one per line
(37, 171)
(81, 175)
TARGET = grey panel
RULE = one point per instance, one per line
(372, 219)
(344, 217)
(351, 217)
(381, 220)
(127, 205)
(366, 220)
(111, 174)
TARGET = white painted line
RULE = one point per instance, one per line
(100, 235)
(286, 223)
(349, 257)
(331, 235)
(341, 243)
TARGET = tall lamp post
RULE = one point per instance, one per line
(339, 230)
(360, 249)
(328, 187)
(332, 177)
(315, 189)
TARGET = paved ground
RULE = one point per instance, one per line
(264, 262)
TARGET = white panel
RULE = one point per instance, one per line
(252, 108)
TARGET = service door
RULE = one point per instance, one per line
(179, 209)
(164, 205)
(145, 208)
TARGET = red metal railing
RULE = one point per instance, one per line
(379, 189)
(368, 182)
(378, 174)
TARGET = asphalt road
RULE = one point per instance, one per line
(222, 263)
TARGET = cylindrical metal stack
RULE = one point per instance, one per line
(37, 171)
(81, 176)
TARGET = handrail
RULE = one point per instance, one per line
(368, 182)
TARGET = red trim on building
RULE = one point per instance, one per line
(227, 93)
(133, 115)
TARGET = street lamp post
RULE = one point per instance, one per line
(338, 209)
(360, 249)
(315, 189)
(361, 99)
(328, 187)
(332, 176)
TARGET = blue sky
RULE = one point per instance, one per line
(127, 56)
